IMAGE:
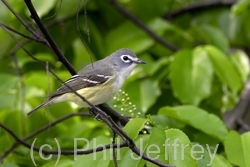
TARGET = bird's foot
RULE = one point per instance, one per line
(94, 113)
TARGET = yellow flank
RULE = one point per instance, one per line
(95, 95)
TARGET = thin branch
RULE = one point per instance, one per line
(15, 49)
(49, 24)
(198, 7)
(23, 35)
(11, 149)
(50, 40)
(140, 24)
(14, 135)
(86, 21)
(86, 24)
(21, 20)
(63, 152)
(54, 123)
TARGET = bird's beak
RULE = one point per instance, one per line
(139, 61)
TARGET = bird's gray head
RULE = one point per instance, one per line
(125, 59)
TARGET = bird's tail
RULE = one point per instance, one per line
(38, 107)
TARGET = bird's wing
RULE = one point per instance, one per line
(81, 81)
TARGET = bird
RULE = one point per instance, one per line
(96, 82)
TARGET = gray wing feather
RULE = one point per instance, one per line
(83, 80)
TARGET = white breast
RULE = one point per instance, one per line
(123, 75)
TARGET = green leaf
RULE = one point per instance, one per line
(241, 61)
(179, 149)
(191, 76)
(203, 159)
(78, 130)
(67, 8)
(133, 91)
(122, 38)
(134, 126)
(202, 75)
(153, 66)
(80, 61)
(164, 122)
(181, 76)
(160, 25)
(155, 148)
(221, 161)
(240, 6)
(6, 139)
(142, 93)
(17, 118)
(210, 158)
(7, 100)
(101, 158)
(8, 165)
(204, 139)
(199, 119)
(43, 7)
(61, 163)
(41, 56)
(4, 17)
(149, 93)
(237, 148)
(95, 46)
(213, 36)
(128, 35)
(41, 76)
(155, 9)
(224, 68)
(128, 158)
(8, 82)
(8, 90)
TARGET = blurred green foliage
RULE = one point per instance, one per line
(179, 94)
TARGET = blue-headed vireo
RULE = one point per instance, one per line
(97, 82)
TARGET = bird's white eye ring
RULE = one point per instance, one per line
(125, 58)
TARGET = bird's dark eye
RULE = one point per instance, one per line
(125, 58)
